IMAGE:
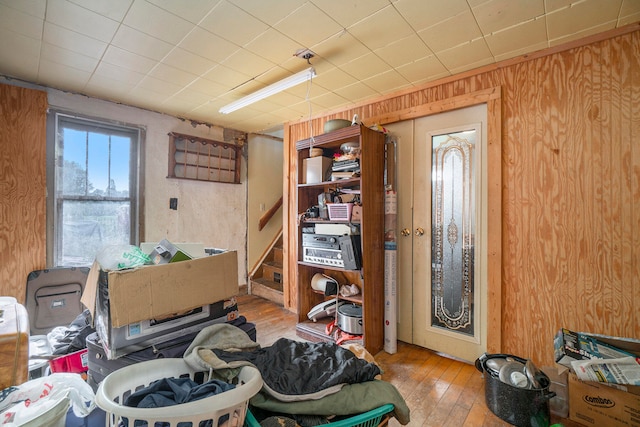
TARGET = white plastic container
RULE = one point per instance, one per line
(119, 384)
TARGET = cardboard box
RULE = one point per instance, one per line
(596, 404)
(570, 346)
(316, 169)
(155, 291)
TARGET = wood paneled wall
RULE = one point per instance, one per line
(571, 185)
(22, 187)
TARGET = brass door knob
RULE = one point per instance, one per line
(405, 232)
(419, 231)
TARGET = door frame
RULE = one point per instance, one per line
(493, 98)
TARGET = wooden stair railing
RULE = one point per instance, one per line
(264, 219)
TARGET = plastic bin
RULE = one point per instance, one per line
(116, 386)
(375, 417)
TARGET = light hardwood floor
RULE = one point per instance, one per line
(439, 391)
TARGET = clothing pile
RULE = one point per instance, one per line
(318, 380)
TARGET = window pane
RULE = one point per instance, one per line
(74, 154)
(120, 149)
(88, 226)
(99, 163)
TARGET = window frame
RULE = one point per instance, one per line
(55, 119)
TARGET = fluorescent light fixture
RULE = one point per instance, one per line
(272, 89)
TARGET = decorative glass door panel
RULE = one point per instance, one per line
(453, 231)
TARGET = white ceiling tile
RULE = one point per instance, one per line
(81, 20)
(629, 11)
(207, 88)
(269, 12)
(128, 60)
(581, 16)
(159, 86)
(273, 46)
(387, 82)
(517, 38)
(119, 74)
(449, 33)
(580, 34)
(424, 69)
(404, 51)
(340, 49)
(172, 75)
(17, 21)
(467, 53)
(70, 40)
(36, 8)
(245, 60)
(329, 100)
(551, 5)
(496, 15)
(473, 65)
(157, 22)
(105, 87)
(69, 58)
(421, 14)
(208, 45)
(189, 62)
(366, 65)
(25, 65)
(333, 77)
(225, 20)
(58, 74)
(629, 19)
(194, 13)
(140, 43)
(309, 25)
(113, 9)
(145, 98)
(226, 76)
(381, 29)
(522, 51)
(356, 92)
(348, 12)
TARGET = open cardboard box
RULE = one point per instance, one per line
(156, 291)
(600, 404)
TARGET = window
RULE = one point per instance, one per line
(94, 180)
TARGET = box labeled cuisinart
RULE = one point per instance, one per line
(596, 404)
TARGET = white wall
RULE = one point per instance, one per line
(265, 188)
(210, 213)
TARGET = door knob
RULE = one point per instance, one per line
(405, 232)
(419, 231)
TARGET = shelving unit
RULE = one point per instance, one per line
(370, 277)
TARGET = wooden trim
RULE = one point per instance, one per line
(265, 253)
(264, 219)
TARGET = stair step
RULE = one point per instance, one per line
(267, 289)
(277, 254)
(272, 271)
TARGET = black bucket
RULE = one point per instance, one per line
(522, 407)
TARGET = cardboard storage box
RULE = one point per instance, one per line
(570, 346)
(155, 291)
(596, 404)
(316, 169)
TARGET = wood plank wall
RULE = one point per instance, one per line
(22, 187)
(571, 186)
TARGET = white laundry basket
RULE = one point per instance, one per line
(118, 385)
